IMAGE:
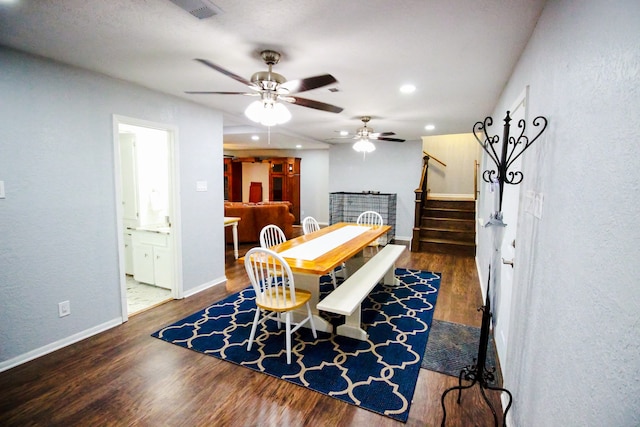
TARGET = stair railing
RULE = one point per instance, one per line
(421, 198)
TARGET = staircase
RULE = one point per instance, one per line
(448, 226)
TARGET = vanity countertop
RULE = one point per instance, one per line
(155, 229)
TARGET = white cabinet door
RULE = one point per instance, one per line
(162, 268)
(128, 253)
(152, 258)
(143, 263)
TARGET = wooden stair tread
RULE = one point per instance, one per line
(428, 208)
(437, 218)
(448, 230)
(446, 241)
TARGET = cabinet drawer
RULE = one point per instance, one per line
(150, 238)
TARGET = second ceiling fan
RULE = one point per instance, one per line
(365, 135)
(365, 132)
(272, 87)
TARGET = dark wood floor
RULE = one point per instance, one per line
(125, 377)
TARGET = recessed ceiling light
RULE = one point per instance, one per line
(298, 146)
(344, 132)
(429, 127)
(408, 88)
(255, 137)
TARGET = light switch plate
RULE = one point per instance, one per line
(537, 212)
(2, 196)
(529, 201)
(201, 185)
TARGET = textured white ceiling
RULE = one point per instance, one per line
(458, 53)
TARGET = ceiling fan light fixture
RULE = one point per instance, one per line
(364, 146)
(267, 113)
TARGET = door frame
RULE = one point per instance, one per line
(174, 204)
(507, 291)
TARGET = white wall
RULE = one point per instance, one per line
(574, 342)
(391, 168)
(458, 152)
(314, 181)
(58, 220)
(255, 172)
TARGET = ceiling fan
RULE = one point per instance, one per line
(272, 87)
(365, 132)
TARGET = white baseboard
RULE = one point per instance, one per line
(204, 286)
(504, 398)
(50, 348)
(57, 345)
(481, 280)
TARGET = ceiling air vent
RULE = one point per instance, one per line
(201, 9)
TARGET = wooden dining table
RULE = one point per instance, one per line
(315, 254)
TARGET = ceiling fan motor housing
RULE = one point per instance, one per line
(267, 76)
(365, 131)
(268, 79)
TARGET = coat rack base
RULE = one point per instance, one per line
(478, 374)
(469, 374)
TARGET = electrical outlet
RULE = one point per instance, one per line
(64, 308)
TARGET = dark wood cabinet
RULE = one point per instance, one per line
(232, 180)
(284, 182)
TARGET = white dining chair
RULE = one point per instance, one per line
(309, 225)
(271, 235)
(373, 219)
(276, 294)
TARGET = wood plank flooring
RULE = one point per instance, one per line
(125, 377)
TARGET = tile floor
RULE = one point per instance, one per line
(141, 296)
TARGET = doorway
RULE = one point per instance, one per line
(146, 209)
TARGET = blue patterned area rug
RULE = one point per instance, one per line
(378, 374)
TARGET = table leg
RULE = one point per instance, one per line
(311, 283)
(355, 262)
(235, 239)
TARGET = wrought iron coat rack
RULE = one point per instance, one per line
(512, 148)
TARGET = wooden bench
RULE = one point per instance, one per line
(347, 298)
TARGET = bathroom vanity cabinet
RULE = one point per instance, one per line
(152, 258)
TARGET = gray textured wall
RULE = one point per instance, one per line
(58, 220)
(574, 349)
